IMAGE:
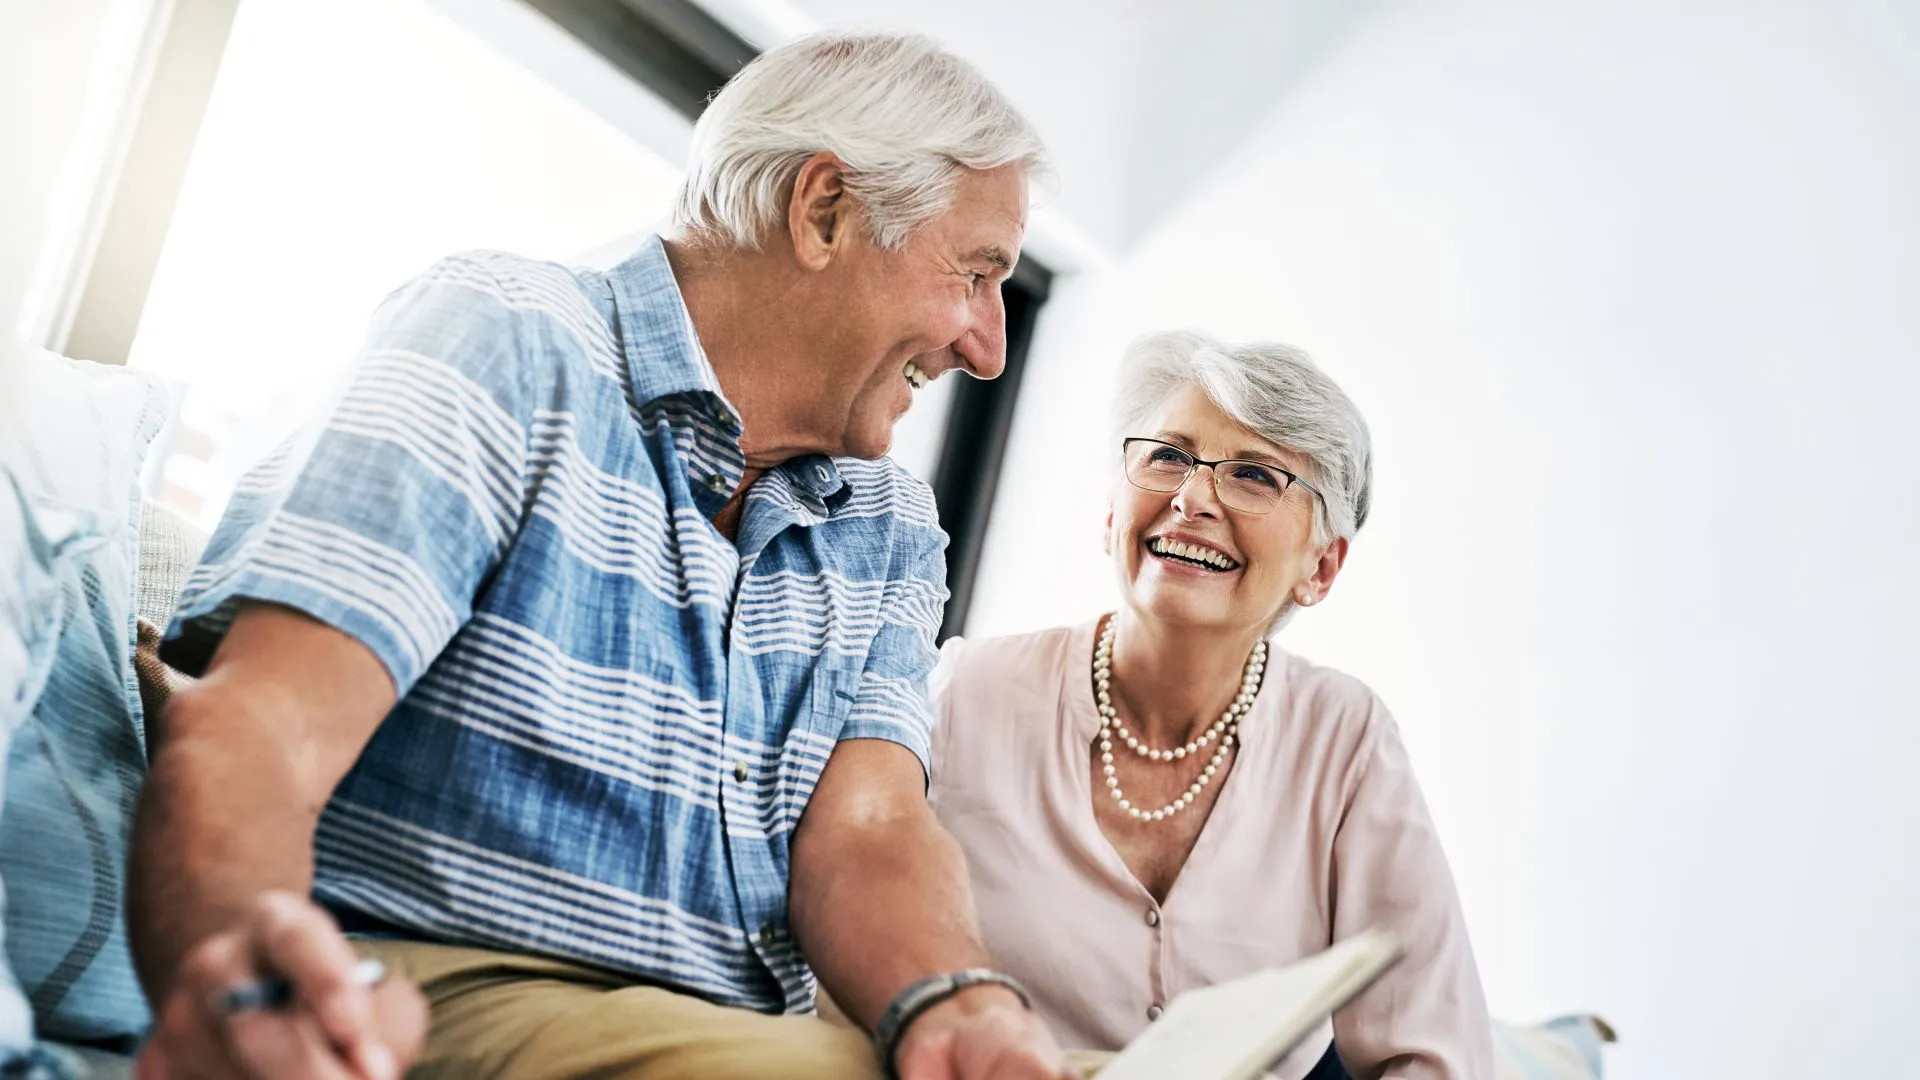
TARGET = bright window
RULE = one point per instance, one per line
(346, 147)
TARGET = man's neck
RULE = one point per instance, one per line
(745, 314)
(727, 518)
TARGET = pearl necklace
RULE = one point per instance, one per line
(1111, 727)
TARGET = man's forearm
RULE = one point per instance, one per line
(217, 826)
(245, 760)
(879, 906)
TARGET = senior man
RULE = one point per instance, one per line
(575, 666)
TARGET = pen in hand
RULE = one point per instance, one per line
(278, 993)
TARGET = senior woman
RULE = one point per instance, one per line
(1160, 799)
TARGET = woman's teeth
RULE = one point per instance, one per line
(1193, 553)
(915, 377)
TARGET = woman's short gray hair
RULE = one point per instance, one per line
(904, 116)
(1275, 391)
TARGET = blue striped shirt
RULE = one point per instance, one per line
(610, 717)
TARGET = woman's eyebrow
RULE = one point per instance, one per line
(1258, 456)
(1262, 457)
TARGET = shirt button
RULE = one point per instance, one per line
(718, 484)
(1153, 916)
(740, 771)
(725, 416)
(769, 936)
(1154, 1012)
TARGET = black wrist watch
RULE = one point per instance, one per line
(925, 994)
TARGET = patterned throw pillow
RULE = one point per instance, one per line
(30, 610)
(170, 548)
(75, 766)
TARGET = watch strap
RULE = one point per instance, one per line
(924, 994)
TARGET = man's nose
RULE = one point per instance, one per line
(983, 348)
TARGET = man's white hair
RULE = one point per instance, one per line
(903, 115)
(1275, 391)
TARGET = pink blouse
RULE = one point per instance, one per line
(1319, 832)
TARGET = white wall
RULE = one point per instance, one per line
(1630, 295)
(1134, 97)
(66, 71)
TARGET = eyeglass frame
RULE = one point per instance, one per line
(1195, 461)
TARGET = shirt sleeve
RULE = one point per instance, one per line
(891, 701)
(939, 691)
(1426, 1019)
(384, 520)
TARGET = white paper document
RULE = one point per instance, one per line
(1236, 1030)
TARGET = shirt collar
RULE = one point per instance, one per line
(664, 357)
(818, 477)
(662, 349)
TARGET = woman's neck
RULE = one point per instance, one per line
(1171, 683)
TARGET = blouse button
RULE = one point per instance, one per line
(1153, 916)
(1153, 1012)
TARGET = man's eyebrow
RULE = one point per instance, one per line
(995, 255)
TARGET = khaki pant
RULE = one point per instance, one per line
(500, 1016)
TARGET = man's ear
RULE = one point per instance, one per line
(818, 211)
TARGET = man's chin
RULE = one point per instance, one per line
(872, 450)
(869, 444)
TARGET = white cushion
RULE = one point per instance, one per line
(1566, 1048)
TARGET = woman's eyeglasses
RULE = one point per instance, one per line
(1251, 487)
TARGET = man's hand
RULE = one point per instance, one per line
(334, 1030)
(981, 1033)
(244, 761)
(879, 898)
